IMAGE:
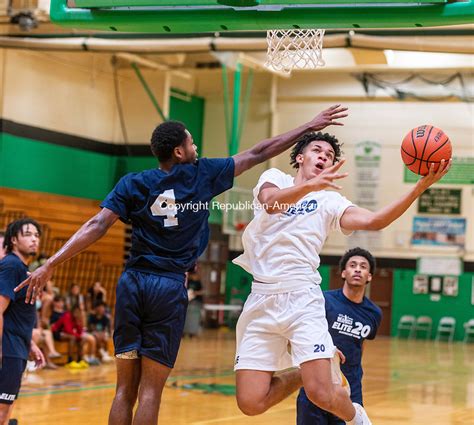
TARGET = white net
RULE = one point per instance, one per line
(294, 49)
(237, 210)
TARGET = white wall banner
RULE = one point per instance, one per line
(367, 176)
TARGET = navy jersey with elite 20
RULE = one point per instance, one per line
(169, 212)
(350, 324)
(19, 318)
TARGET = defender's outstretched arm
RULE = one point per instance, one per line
(90, 232)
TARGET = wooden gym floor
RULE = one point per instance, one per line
(406, 382)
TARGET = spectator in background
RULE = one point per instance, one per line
(42, 258)
(47, 304)
(99, 327)
(2, 249)
(96, 295)
(70, 327)
(57, 313)
(43, 338)
(57, 309)
(75, 298)
(42, 335)
(192, 325)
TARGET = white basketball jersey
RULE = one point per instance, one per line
(286, 245)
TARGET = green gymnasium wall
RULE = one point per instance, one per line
(325, 272)
(405, 302)
(190, 110)
(45, 167)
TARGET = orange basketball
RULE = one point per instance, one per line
(423, 146)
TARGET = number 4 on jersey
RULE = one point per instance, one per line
(165, 205)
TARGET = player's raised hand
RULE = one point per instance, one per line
(326, 178)
(328, 117)
(434, 175)
(36, 282)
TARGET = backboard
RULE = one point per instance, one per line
(209, 16)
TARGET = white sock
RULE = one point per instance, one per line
(360, 417)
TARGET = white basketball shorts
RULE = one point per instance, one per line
(282, 325)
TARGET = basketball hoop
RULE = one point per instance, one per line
(240, 226)
(238, 212)
(294, 49)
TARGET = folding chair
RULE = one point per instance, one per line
(423, 324)
(446, 327)
(468, 330)
(406, 323)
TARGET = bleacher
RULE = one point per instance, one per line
(60, 217)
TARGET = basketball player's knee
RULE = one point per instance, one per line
(126, 395)
(150, 398)
(321, 395)
(249, 406)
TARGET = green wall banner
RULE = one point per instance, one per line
(440, 201)
(461, 172)
(366, 188)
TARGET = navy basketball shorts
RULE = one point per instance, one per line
(10, 379)
(150, 311)
(308, 413)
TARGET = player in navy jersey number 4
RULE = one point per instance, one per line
(167, 209)
(352, 318)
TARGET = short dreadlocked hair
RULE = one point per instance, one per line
(306, 139)
(359, 252)
(14, 228)
(166, 137)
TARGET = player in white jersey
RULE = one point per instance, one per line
(293, 217)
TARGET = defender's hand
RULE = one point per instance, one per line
(328, 117)
(36, 282)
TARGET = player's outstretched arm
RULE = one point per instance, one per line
(90, 232)
(356, 218)
(276, 200)
(274, 146)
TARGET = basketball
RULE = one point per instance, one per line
(423, 146)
